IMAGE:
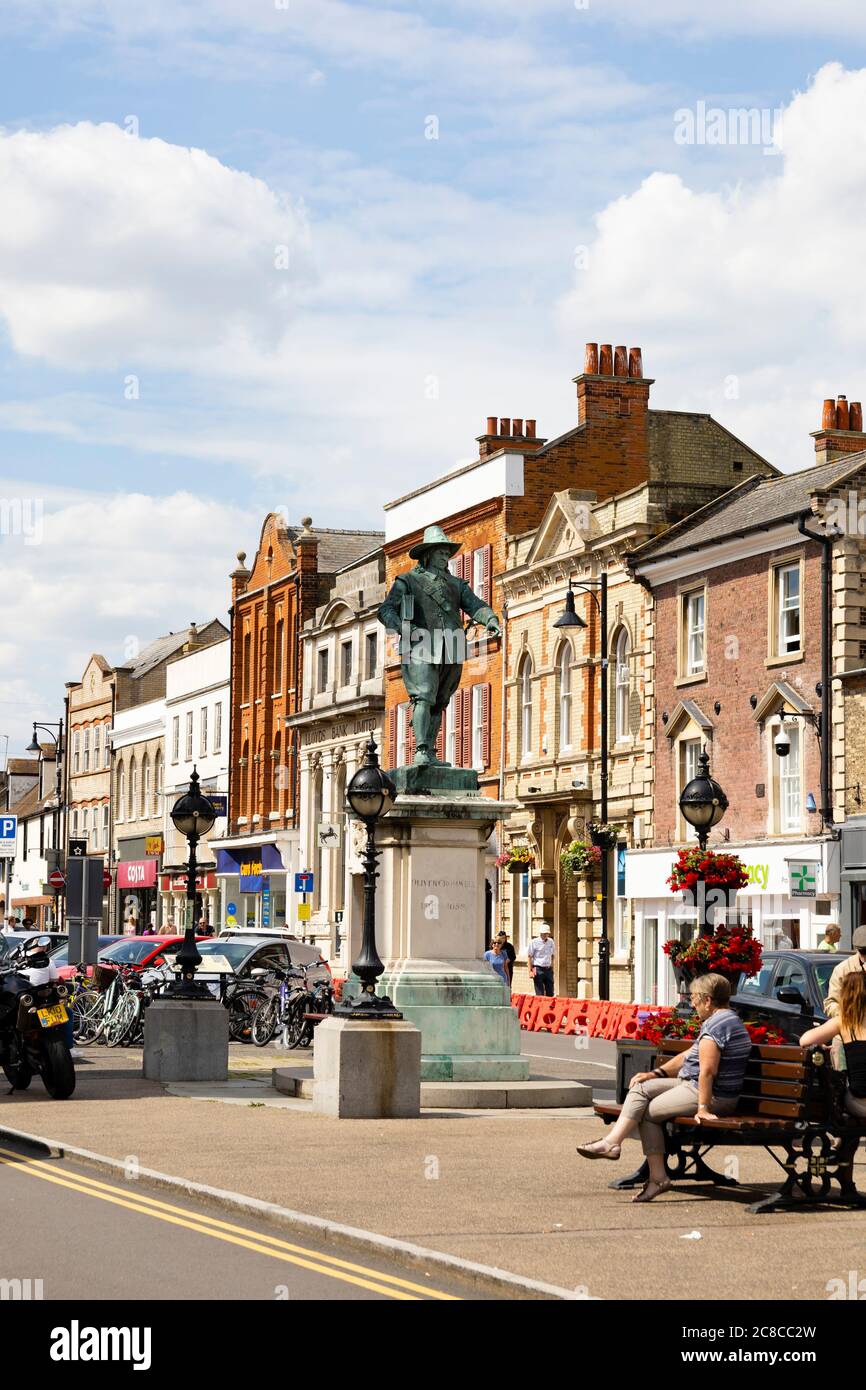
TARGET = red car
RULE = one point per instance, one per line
(140, 952)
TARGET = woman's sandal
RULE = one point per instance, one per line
(651, 1190)
(596, 1150)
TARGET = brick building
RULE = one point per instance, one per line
(90, 704)
(494, 507)
(291, 576)
(735, 622)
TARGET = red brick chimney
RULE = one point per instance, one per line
(612, 403)
(841, 430)
(514, 434)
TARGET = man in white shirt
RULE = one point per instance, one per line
(540, 957)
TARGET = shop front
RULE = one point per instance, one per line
(173, 890)
(792, 896)
(136, 896)
(253, 891)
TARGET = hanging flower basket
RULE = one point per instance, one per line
(580, 859)
(519, 859)
(602, 835)
(696, 865)
(730, 953)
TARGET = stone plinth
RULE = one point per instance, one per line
(186, 1040)
(431, 935)
(367, 1071)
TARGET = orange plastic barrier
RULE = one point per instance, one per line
(599, 1018)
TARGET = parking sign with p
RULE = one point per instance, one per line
(8, 836)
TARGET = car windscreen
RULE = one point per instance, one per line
(235, 952)
(824, 969)
(131, 951)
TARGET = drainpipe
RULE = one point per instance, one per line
(826, 543)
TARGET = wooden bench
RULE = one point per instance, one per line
(792, 1099)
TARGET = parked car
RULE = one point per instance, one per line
(246, 952)
(789, 991)
(17, 938)
(143, 952)
(60, 957)
(300, 952)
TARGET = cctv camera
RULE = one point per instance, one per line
(782, 743)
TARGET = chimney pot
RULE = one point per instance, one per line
(842, 413)
(855, 417)
(635, 362)
(605, 360)
(505, 426)
(620, 361)
(517, 427)
(590, 359)
(491, 424)
(530, 429)
(828, 415)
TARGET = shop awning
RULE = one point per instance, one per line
(251, 865)
(32, 902)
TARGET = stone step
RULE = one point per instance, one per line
(537, 1094)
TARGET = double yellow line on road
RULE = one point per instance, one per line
(344, 1270)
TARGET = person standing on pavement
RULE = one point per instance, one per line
(540, 958)
(846, 967)
(832, 937)
(498, 960)
(509, 953)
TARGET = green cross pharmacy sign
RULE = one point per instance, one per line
(804, 878)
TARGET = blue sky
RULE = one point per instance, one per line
(164, 382)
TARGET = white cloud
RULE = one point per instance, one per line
(109, 568)
(117, 250)
(717, 285)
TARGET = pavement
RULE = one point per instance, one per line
(503, 1189)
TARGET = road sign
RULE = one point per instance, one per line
(304, 883)
(77, 849)
(57, 879)
(329, 835)
(84, 889)
(106, 879)
(231, 909)
(304, 910)
(266, 904)
(8, 836)
(338, 916)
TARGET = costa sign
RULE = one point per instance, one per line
(140, 873)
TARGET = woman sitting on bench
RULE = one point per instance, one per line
(705, 1082)
(849, 1025)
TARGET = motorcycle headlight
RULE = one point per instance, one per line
(62, 991)
(27, 999)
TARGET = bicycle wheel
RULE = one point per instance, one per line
(120, 1020)
(264, 1023)
(88, 1015)
(242, 1010)
(295, 1023)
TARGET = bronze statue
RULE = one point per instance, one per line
(424, 608)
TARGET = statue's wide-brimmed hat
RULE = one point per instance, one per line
(434, 538)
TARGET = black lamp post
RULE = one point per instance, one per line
(571, 618)
(193, 817)
(703, 803)
(370, 794)
(33, 747)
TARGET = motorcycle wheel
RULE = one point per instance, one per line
(58, 1069)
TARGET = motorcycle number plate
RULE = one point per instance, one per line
(50, 1018)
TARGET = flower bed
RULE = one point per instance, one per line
(665, 1024)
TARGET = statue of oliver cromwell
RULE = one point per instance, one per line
(424, 608)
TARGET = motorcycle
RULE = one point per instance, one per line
(33, 1019)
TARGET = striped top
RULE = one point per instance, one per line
(728, 1033)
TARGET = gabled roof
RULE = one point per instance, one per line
(567, 512)
(755, 504)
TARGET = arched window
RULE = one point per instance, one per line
(622, 687)
(132, 805)
(157, 786)
(121, 791)
(145, 788)
(525, 688)
(565, 696)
